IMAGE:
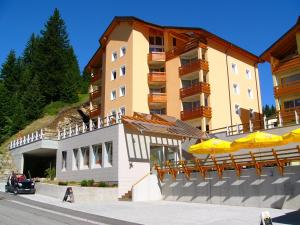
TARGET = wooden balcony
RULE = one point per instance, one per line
(200, 87)
(157, 77)
(287, 89)
(157, 98)
(288, 115)
(202, 111)
(185, 48)
(154, 57)
(95, 112)
(96, 78)
(193, 66)
(95, 94)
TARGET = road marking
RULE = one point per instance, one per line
(58, 213)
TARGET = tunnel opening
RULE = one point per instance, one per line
(36, 164)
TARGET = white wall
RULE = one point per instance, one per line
(147, 189)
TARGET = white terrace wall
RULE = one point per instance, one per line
(100, 136)
(268, 190)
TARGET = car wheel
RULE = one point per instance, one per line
(15, 191)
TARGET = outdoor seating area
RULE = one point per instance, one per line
(219, 155)
(238, 162)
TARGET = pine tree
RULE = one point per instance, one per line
(33, 100)
(10, 72)
(57, 62)
(85, 82)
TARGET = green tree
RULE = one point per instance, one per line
(57, 64)
(85, 82)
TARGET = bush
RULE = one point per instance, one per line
(102, 184)
(62, 183)
(84, 183)
(50, 173)
(90, 183)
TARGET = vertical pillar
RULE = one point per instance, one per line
(91, 125)
(227, 131)
(180, 150)
(32, 137)
(64, 134)
(203, 124)
(238, 128)
(70, 131)
(163, 154)
(279, 119)
(11, 145)
(199, 53)
(83, 127)
(296, 117)
(28, 138)
(107, 120)
(37, 135)
(42, 134)
(265, 122)
(98, 122)
(24, 140)
(250, 126)
(201, 76)
(76, 129)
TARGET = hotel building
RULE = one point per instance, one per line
(284, 58)
(187, 73)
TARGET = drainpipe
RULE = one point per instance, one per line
(258, 99)
(228, 83)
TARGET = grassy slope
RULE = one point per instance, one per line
(50, 113)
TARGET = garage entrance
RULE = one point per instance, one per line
(37, 161)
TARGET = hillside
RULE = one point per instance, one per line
(55, 114)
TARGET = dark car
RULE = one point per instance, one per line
(19, 184)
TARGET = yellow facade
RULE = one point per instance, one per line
(170, 73)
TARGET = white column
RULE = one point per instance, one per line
(32, 137)
(91, 125)
(201, 76)
(238, 128)
(163, 154)
(265, 122)
(28, 138)
(83, 127)
(203, 124)
(37, 135)
(98, 122)
(11, 145)
(76, 129)
(250, 126)
(70, 131)
(107, 120)
(42, 134)
(24, 140)
(14, 143)
(280, 119)
(64, 134)
(180, 150)
(296, 117)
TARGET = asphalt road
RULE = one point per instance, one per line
(15, 210)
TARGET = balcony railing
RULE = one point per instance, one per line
(193, 66)
(156, 57)
(95, 112)
(202, 111)
(156, 77)
(200, 87)
(185, 48)
(96, 77)
(288, 115)
(95, 94)
(287, 89)
(157, 98)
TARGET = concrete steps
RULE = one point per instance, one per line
(126, 197)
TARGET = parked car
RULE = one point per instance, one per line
(19, 184)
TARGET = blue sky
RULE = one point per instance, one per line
(252, 25)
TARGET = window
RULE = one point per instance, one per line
(250, 93)
(85, 152)
(114, 56)
(236, 89)
(174, 42)
(292, 103)
(122, 111)
(64, 160)
(156, 44)
(158, 111)
(109, 152)
(248, 74)
(122, 91)
(97, 155)
(113, 95)
(206, 101)
(75, 159)
(122, 51)
(237, 109)
(113, 75)
(122, 70)
(251, 113)
(113, 113)
(234, 68)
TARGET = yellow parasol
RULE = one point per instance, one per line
(293, 136)
(258, 140)
(212, 146)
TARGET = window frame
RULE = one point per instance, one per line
(121, 51)
(121, 71)
(236, 89)
(234, 68)
(111, 95)
(120, 91)
(109, 162)
(250, 93)
(112, 75)
(64, 160)
(237, 107)
(248, 74)
(114, 53)
(94, 164)
(82, 163)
